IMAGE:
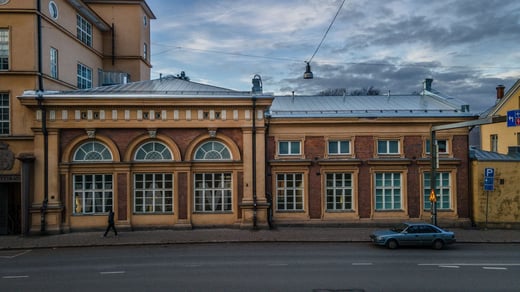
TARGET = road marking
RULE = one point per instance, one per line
(475, 264)
(362, 264)
(494, 268)
(15, 255)
(112, 272)
(449, 266)
(15, 277)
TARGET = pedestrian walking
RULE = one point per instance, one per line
(110, 223)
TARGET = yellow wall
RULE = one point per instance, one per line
(502, 205)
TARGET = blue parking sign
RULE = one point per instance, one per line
(489, 179)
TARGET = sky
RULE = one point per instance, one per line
(467, 46)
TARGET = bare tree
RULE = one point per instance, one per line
(333, 92)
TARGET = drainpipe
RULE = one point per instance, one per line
(39, 98)
(266, 163)
(255, 203)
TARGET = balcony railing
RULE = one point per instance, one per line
(113, 78)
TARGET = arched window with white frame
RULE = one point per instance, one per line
(153, 150)
(92, 151)
(213, 150)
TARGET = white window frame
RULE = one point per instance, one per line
(84, 76)
(212, 150)
(443, 146)
(339, 148)
(4, 49)
(5, 114)
(213, 192)
(153, 193)
(92, 193)
(92, 151)
(84, 30)
(54, 62)
(290, 192)
(443, 190)
(339, 191)
(388, 196)
(388, 146)
(493, 139)
(153, 151)
(289, 147)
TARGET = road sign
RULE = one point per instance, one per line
(433, 198)
(513, 118)
(489, 179)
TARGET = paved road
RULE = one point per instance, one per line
(263, 267)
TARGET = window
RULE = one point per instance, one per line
(442, 190)
(92, 193)
(153, 151)
(339, 147)
(213, 192)
(289, 192)
(53, 10)
(494, 143)
(145, 51)
(212, 150)
(4, 49)
(388, 191)
(339, 191)
(388, 147)
(442, 146)
(289, 148)
(54, 63)
(153, 193)
(84, 77)
(84, 30)
(4, 114)
(93, 151)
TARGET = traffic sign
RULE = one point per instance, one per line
(489, 179)
(513, 118)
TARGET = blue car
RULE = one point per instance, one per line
(418, 234)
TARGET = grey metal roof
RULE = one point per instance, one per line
(477, 154)
(163, 86)
(428, 104)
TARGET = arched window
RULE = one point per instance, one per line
(153, 151)
(212, 150)
(93, 151)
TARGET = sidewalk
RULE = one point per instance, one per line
(220, 235)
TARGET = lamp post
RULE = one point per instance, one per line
(45, 202)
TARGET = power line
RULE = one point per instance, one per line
(286, 59)
(326, 32)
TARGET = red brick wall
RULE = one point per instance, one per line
(413, 146)
(314, 150)
(460, 150)
(364, 149)
(182, 188)
(122, 202)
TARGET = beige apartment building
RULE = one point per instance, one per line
(48, 45)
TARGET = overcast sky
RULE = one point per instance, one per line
(467, 46)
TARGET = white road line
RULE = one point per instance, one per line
(362, 264)
(494, 268)
(474, 264)
(112, 272)
(15, 277)
(449, 266)
(15, 255)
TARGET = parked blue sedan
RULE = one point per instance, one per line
(419, 234)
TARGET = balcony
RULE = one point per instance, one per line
(113, 78)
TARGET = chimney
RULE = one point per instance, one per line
(500, 92)
(428, 84)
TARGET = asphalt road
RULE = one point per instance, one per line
(263, 267)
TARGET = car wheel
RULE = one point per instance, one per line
(392, 244)
(438, 244)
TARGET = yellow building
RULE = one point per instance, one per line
(499, 206)
(499, 137)
(58, 45)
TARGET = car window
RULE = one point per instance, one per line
(399, 228)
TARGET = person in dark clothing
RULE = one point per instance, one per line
(110, 223)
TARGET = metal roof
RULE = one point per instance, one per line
(426, 104)
(481, 155)
(162, 86)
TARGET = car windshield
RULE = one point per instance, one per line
(399, 227)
